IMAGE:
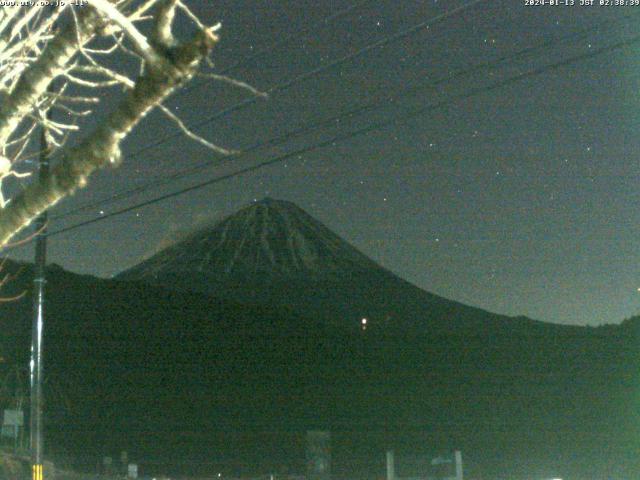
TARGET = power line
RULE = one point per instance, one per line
(304, 76)
(361, 131)
(500, 61)
(316, 71)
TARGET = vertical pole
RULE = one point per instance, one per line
(391, 468)
(458, 456)
(37, 327)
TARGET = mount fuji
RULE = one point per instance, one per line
(466, 375)
(255, 325)
(272, 237)
(273, 252)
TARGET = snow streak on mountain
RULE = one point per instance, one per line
(273, 253)
(271, 236)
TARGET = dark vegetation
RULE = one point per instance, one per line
(197, 366)
(182, 378)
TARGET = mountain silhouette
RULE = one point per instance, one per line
(273, 252)
(218, 353)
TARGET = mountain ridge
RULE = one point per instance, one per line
(274, 252)
(170, 374)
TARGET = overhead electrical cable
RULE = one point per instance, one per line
(361, 109)
(318, 70)
(372, 127)
(309, 74)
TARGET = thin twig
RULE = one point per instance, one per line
(193, 136)
(235, 83)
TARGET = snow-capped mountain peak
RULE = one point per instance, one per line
(269, 236)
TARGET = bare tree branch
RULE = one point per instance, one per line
(139, 41)
(102, 146)
(36, 78)
(42, 68)
(193, 136)
(235, 83)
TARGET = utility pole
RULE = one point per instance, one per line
(37, 327)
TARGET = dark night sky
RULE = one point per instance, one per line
(518, 200)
